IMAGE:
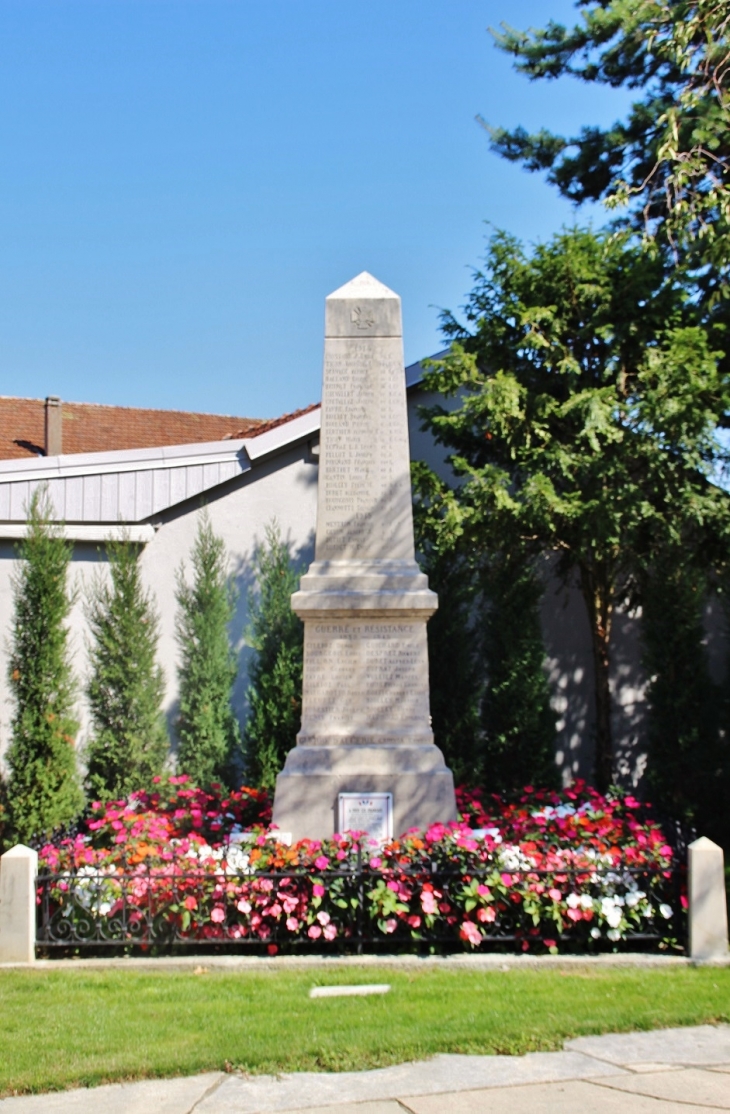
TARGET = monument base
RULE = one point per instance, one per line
(307, 788)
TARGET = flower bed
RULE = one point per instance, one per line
(571, 870)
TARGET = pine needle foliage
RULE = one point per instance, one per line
(517, 719)
(129, 742)
(589, 402)
(43, 791)
(456, 665)
(276, 635)
(207, 728)
(688, 770)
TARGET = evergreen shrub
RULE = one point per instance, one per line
(276, 635)
(129, 742)
(207, 728)
(43, 791)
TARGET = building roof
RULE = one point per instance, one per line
(91, 428)
(93, 491)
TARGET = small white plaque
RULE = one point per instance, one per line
(367, 812)
(359, 990)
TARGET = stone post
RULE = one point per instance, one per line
(366, 726)
(707, 902)
(18, 870)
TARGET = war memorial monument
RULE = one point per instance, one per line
(365, 757)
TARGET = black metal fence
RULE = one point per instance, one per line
(421, 907)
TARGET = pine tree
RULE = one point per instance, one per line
(589, 400)
(125, 690)
(276, 635)
(43, 790)
(207, 729)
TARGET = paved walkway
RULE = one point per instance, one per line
(669, 1071)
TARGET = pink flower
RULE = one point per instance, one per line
(217, 914)
(414, 921)
(321, 862)
(314, 932)
(483, 891)
(190, 902)
(375, 862)
(391, 924)
(292, 924)
(428, 902)
(487, 915)
(323, 918)
(470, 933)
(555, 894)
(318, 890)
(243, 906)
(575, 914)
(330, 932)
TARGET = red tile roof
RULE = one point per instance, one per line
(90, 428)
(264, 427)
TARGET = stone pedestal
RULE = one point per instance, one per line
(18, 870)
(366, 725)
(707, 902)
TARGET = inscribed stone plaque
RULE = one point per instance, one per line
(367, 812)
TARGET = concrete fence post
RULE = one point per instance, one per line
(707, 901)
(18, 870)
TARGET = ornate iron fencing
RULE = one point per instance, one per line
(164, 907)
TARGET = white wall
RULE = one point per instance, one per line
(285, 489)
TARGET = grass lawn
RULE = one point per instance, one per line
(68, 1028)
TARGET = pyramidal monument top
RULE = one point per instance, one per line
(363, 285)
(363, 307)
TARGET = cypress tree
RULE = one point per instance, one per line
(207, 729)
(43, 791)
(125, 689)
(276, 635)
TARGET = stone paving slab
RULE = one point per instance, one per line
(390, 1106)
(698, 1044)
(149, 1096)
(552, 1098)
(447, 1073)
(690, 1085)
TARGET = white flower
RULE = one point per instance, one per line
(665, 910)
(633, 899)
(573, 901)
(586, 901)
(613, 934)
(614, 917)
(596, 933)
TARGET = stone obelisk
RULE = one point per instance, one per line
(366, 726)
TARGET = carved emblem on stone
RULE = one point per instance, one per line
(361, 319)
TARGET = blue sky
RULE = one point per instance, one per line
(182, 184)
